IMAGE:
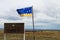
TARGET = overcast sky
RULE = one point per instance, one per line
(46, 13)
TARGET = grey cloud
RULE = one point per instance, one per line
(47, 27)
(53, 11)
(50, 10)
(11, 15)
(10, 18)
(43, 21)
(36, 11)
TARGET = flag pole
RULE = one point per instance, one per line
(33, 24)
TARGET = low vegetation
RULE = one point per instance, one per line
(38, 35)
(1, 35)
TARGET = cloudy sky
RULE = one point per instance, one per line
(46, 13)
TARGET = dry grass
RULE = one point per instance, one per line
(43, 35)
(14, 37)
(39, 35)
(1, 35)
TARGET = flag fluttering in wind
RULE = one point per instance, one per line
(25, 11)
(28, 11)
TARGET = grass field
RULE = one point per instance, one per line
(39, 35)
(14, 37)
(1, 35)
(43, 35)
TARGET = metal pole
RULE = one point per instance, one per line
(33, 23)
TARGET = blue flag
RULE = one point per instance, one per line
(25, 11)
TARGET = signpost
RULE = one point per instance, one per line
(13, 28)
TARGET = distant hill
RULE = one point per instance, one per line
(1, 29)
